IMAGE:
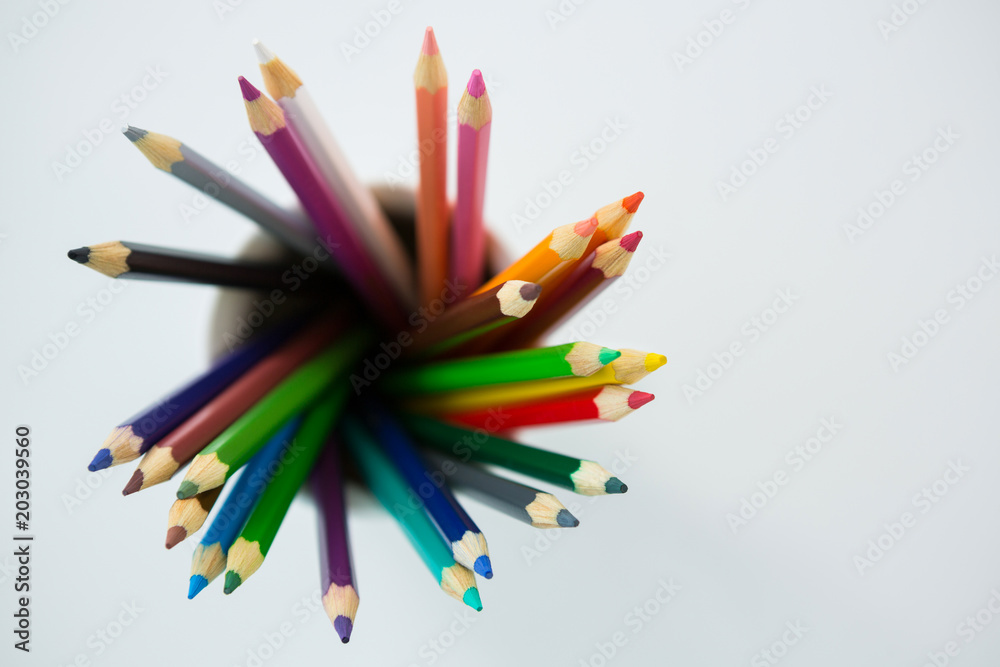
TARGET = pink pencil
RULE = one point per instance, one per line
(468, 240)
(267, 120)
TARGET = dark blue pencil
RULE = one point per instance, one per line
(209, 559)
(468, 545)
(130, 439)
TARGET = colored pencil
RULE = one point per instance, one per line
(519, 501)
(613, 220)
(136, 435)
(251, 547)
(468, 545)
(392, 491)
(124, 259)
(431, 83)
(209, 558)
(571, 359)
(187, 516)
(267, 120)
(340, 593)
(607, 403)
(587, 280)
(563, 244)
(634, 365)
(475, 316)
(468, 238)
(181, 161)
(196, 432)
(234, 446)
(362, 210)
(579, 475)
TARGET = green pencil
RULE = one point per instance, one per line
(571, 359)
(233, 447)
(579, 475)
(393, 492)
(248, 551)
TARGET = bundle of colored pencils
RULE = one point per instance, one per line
(406, 368)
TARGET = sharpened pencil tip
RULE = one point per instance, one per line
(631, 203)
(187, 489)
(176, 535)
(567, 520)
(483, 567)
(471, 598)
(196, 585)
(654, 361)
(631, 241)
(637, 399)
(133, 134)
(530, 291)
(103, 458)
(82, 255)
(264, 54)
(476, 86)
(344, 626)
(233, 582)
(430, 46)
(585, 227)
(615, 485)
(250, 93)
(607, 355)
(134, 484)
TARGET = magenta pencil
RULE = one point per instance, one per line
(338, 237)
(340, 595)
(468, 246)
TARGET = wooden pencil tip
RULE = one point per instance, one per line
(631, 241)
(133, 133)
(631, 203)
(264, 54)
(81, 255)
(430, 46)
(476, 86)
(639, 398)
(250, 93)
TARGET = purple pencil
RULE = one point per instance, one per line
(133, 437)
(267, 120)
(340, 595)
(468, 240)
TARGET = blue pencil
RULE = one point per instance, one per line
(209, 559)
(133, 437)
(468, 545)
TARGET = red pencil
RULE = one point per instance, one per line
(607, 403)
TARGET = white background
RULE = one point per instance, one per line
(554, 87)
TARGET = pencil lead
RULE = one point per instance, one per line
(607, 355)
(133, 134)
(637, 399)
(631, 203)
(476, 86)
(103, 458)
(344, 626)
(615, 485)
(654, 361)
(430, 45)
(250, 93)
(187, 489)
(631, 241)
(233, 582)
(585, 227)
(175, 535)
(264, 54)
(82, 255)
(134, 484)
(471, 598)
(567, 520)
(196, 585)
(483, 568)
(530, 291)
